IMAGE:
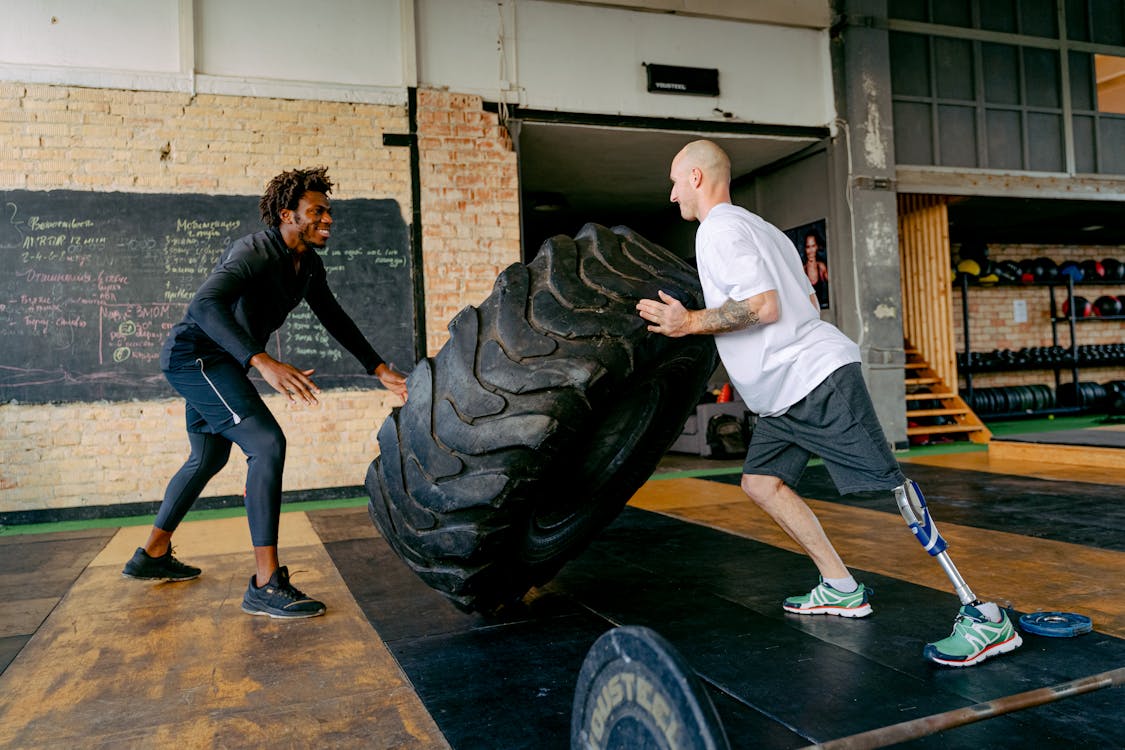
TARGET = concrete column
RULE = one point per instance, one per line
(863, 206)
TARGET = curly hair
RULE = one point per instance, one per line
(285, 191)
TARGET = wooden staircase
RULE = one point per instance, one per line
(934, 407)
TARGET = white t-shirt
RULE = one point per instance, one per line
(773, 366)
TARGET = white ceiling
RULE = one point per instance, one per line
(624, 169)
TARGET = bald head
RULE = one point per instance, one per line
(708, 158)
(700, 177)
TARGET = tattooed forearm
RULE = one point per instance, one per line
(731, 316)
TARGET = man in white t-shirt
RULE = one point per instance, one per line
(802, 377)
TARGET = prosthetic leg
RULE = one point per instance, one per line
(913, 508)
(982, 629)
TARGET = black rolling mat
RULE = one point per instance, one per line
(1075, 512)
(508, 686)
(489, 683)
(718, 600)
(776, 680)
(1094, 438)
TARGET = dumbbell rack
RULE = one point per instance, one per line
(1072, 362)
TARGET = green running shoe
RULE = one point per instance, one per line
(974, 639)
(825, 600)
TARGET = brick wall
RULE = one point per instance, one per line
(58, 137)
(105, 453)
(992, 322)
(470, 204)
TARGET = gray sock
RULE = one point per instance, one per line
(843, 585)
(990, 610)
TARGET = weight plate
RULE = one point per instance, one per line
(1056, 624)
(635, 691)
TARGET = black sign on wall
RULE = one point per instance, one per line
(91, 284)
(673, 79)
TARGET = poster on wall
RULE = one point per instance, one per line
(812, 249)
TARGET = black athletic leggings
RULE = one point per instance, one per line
(261, 439)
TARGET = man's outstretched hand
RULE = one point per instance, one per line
(666, 315)
(393, 380)
(286, 379)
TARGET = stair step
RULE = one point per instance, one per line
(919, 376)
(936, 396)
(942, 428)
(936, 412)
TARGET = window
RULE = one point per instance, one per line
(997, 95)
(1109, 75)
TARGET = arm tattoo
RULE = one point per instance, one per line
(730, 316)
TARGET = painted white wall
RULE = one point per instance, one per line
(577, 58)
(140, 35)
(349, 42)
(541, 54)
(340, 50)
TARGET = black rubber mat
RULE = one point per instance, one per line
(1093, 438)
(778, 680)
(1075, 512)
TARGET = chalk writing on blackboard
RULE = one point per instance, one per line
(92, 284)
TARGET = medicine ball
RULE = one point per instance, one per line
(1093, 269)
(1008, 271)
(1082, 307)
(1106, 306)
(1072, 269)
(970, 268)
(1027, 271)
(1114, 269)
(1046, 269)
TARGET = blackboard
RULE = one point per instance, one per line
(92, 283)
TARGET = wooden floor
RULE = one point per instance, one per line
(93, 660)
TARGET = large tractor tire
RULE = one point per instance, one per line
(548, 407)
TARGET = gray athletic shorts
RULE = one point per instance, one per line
(837, 422)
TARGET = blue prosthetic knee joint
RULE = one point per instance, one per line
(913, 508)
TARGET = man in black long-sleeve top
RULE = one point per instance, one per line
(253, 288)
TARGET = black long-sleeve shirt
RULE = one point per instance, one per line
(247, 297)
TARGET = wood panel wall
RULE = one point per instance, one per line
(927, 296)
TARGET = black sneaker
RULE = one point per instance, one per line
(163, 568)
(278, 598)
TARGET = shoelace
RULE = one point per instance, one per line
(289, 590)
(172, 558)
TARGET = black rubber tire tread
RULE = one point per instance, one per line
(545, 411)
